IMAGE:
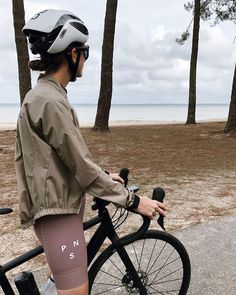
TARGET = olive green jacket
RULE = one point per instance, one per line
(53, 165)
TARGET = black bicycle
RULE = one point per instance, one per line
(143, 262)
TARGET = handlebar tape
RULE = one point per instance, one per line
(124, 173)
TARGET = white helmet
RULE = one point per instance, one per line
(53, 31)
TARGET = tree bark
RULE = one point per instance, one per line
(105, 95)
(231, 122)
(21, 48)
(193, 64)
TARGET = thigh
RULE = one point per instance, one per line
(63, 240)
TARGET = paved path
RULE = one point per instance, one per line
(212, 250)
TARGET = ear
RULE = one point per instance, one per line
(74, 54)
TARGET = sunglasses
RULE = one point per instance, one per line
(85, 51)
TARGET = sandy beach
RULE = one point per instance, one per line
(12, 126)
(7, 126)
(196, 165)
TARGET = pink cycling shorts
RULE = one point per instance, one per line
(63, 240)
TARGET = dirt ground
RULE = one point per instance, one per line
(196, 165)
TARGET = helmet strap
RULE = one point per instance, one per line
(73, 66)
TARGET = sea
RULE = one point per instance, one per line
(131, 113)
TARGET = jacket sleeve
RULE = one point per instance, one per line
(106, 188)
(61, 133)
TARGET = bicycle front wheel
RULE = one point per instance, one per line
(161, 262)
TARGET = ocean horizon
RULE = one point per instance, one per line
(133, 112)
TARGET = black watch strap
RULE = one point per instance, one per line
(134, 202)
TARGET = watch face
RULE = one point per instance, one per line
(131, 201)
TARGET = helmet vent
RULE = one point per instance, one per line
(80, 27)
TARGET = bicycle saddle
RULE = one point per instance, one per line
(5, 211)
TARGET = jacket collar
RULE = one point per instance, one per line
(50, 79)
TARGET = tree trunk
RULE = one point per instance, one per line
(105, 95)
(231, 123)
(193, 64)
(21, 48)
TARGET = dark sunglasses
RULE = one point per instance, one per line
(85, 51)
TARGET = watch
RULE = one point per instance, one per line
(133, 202)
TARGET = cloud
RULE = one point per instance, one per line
(155, 60)
(148, 64)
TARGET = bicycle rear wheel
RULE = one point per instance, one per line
(160, 260)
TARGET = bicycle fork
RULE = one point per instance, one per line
(132, 274)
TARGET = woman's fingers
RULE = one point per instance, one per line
(151, 208)
(162, 212)
(161, 208)
(117, 177)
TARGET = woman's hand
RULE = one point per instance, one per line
(116, 177)
(150, 208)
(147, 207)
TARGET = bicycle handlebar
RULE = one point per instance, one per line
(158, 195)
(124, 173)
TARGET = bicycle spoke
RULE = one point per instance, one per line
(162, 292)
(157, 257)
(109, 274)
(116, 266)
(173, 280)
(163, 265)
(151, 256)
(160, 268)
(135, 253)
(141, 255)
(156, 291)
(107, 291)
(167, 275)
(107, 284)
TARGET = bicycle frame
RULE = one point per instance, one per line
(104, 230)
(4, 282)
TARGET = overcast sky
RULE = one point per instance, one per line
(149, 67)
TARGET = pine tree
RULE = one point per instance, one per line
(105, 95)
(21, 48)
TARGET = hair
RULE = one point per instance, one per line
(47, 62)
(51, 62)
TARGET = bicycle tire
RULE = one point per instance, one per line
(108, 274)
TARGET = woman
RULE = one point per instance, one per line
(54, 167)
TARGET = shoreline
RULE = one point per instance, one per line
(5, 126)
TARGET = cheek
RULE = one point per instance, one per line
(81, 65)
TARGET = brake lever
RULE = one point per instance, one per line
(158, 195)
